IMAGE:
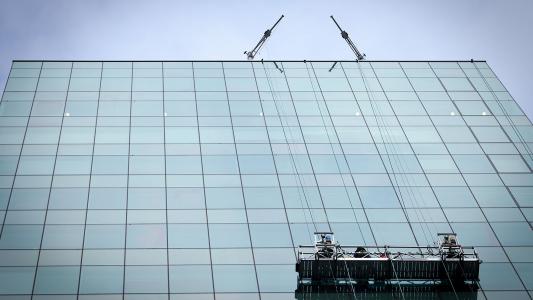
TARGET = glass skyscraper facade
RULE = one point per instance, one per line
(199, 179)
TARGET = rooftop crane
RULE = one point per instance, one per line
(252, 53)
(344, 34)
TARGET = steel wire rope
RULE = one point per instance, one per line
(340, 172)
(293, 164)
(503, 110)
(449, 278)
(332, 148)
(352, 92)
(460, 265)
(371, 98)
(442, 262)
(506, 114)
(387, 139)
(372, 107)
(338, 167)
(409, 186)
(305, 146)
(404, 181)
(286, 141)
(476, 139)
(393, 158)
(513, 126)
(389, 157)
(511, 123)
(291, 155)
(327, 219)
(293, 161)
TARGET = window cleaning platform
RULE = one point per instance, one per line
(326, 263)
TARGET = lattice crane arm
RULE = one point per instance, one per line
(252, 53)
(344, 34)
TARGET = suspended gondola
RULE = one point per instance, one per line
(327, 263)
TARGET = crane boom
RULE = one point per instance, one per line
(344, 34)
(252, 53)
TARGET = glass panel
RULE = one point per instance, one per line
(219, 233)
(104, 236)
(190, 279)
(234, 278)
(187, 236)
(16, 280)
(101, 279)
(146, 236)
(146, 279)
(198, 179)
(56, 280)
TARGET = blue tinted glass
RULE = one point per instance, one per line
(101, 279)
(187, 236)
(194, 180)
(146, 279)
(190, 279)
(57, 280)
(234, 278)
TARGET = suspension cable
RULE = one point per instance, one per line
(404, 176)
(330, 264)
(291, 154)
(379, 128)
(507, 115)
(460, 265)
(351, 282)
(377, 117)
(369, 93)
(293, 164)
(333, 150)
(442, 262)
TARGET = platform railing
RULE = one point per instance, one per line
(390, 252)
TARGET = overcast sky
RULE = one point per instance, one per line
(499, 31)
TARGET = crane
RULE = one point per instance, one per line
(344, 34)
(252, 53)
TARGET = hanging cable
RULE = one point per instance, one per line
(390, 161)
(460, 265)
(293, 163)
(403, 175)
(507, 116)
(291, 155)
(325, 213)
(292, 158)
(340, 173)
(394, 178)
(444, 266)
(384, 137)
(369, 93)
(338, 166)
(333, 150)
(408, 186)
(309, 159)
(399, 178)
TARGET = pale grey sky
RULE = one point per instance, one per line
(499, 31)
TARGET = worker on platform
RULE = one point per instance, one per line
(327, 250)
